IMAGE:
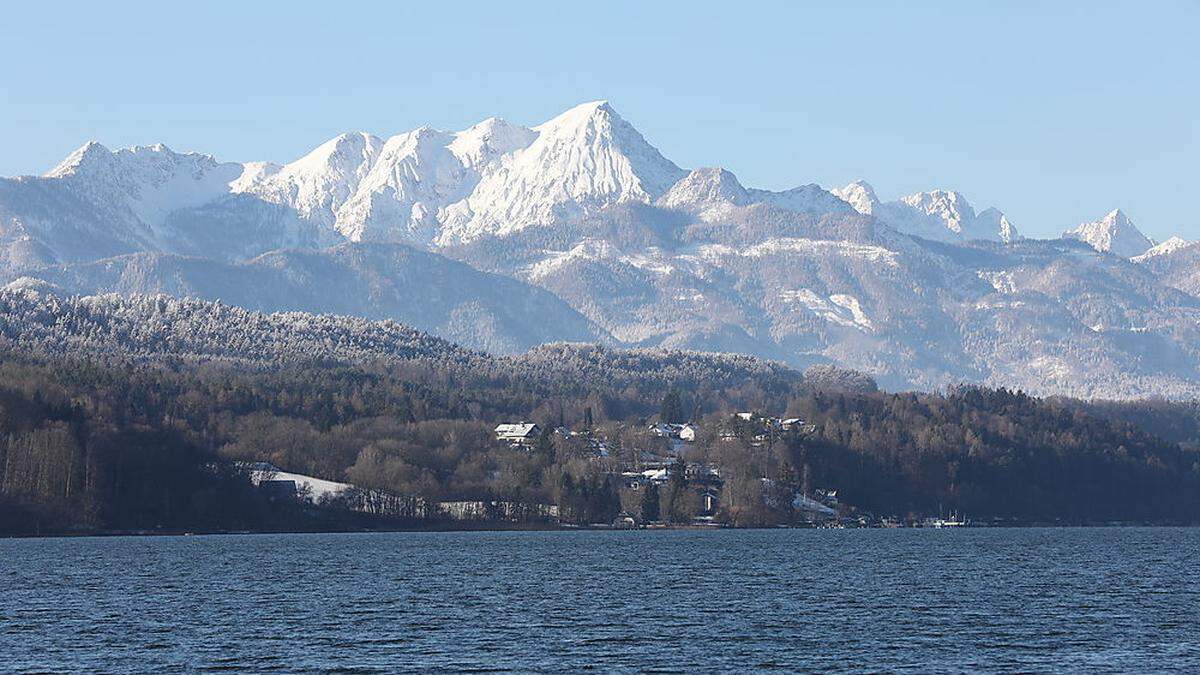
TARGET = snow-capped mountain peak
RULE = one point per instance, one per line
(942, 215)
(1115, 233)
(947, 206)
(579, 115)
(992, 221)
(413, 177)
(705, 187)
(859, 195)
(82, 158)
(630, 166)
(486, 142)
(317, 184)
(145, 182)
(586, 158)
(1166, 248)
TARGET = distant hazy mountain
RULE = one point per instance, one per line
(376, 281)
(503, 237)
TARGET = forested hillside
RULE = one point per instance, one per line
(163, 329)
(996, 453)
(128, 414)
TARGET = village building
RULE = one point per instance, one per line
(662, 430)
(633, 480)
(704, 473)
(659, 476)
(520, 433)
(687, 433)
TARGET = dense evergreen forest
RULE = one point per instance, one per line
(134, 413)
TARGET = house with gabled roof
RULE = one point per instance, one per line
(519, 433)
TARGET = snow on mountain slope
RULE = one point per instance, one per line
(947, 209)
(428, 186)
(424, 187)
(1114, 233)
(154, 199)
(399, 198)
(940, 215)
(993, 223)
(859, 195)
(42, 223)
(811, 198)
(99, 203)
(1176, 262)
(370, 280)
(584, 159)
(713, 194)
(393, 190)
(317, 184)
(145, 182)
(1166, 248)
(482, 145)
(705, 188)
(1040, 315)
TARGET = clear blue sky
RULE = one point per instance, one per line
(1054, 113)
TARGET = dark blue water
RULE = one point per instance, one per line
(850, 600)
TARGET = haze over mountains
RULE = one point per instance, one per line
(502, 237)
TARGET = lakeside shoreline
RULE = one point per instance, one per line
(550, 527)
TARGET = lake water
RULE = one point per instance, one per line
(831, 600)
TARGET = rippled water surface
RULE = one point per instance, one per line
(852, 600)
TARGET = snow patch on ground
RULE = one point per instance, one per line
(822, 247)
(651, 262)
(841, 309)
(851, 304)
(1001, 280)
(588, 249)
(316, 488)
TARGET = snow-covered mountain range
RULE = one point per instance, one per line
(503, 237)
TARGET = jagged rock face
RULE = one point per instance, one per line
(504, 237)
(1114, 233)
(939, 215)
(860, 195)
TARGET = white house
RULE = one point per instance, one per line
(687, 433)
(657, 475)
(665, 430)
(521, 433)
